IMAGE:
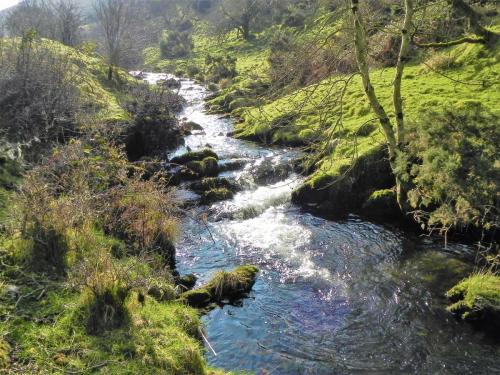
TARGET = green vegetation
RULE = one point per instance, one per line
(87, 241)
(224, 286)
(297, 83)
(477, 298)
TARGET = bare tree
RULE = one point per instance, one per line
(69, 20)
(31, 15)
(114, 18)
(393, 134)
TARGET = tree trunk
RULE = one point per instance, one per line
(110, 72)
(402, 186)
(245, 26)
(461, 7)
(395, 139)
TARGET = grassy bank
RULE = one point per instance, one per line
(87, 247)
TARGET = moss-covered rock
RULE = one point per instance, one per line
(382, 204)
(210, 183)
(4, 354)
(194, 156)
(216, 195)
(198, 298)
(186, 282)
(208, 167)
(232, 285)
(477, 299)
(348, 189)
(223, 287)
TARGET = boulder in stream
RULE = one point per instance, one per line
(194, 156)
(223, 287)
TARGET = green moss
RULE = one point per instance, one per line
(382, 204)
(196, 298)
(223, 286)
(216, 195)
(476, 295)
(208, 167)
(194, 156)
(210, 183)
(232, 285)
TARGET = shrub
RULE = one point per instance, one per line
(220, 67)
(4, 354)
(450, 165)
(176, 44)
(39, 96)
(154, 128)
(144, 215)
(477, 299)
(193, 70)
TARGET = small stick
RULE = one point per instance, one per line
(206, 340)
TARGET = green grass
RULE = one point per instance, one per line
(475, 77)
(44, 317)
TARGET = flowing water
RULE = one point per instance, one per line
(332, 297)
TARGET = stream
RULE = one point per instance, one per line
(332, 297)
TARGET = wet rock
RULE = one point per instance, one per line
(198, 298)
(382, 204)
(216, 195)
(186, 282)
(208, 167)
(224, 287)
(212, 183)
(268, 172)
(194, 156)
(232, 165)
(190, 126)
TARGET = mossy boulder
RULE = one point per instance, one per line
(232, 285)
(476, 299)
(186, 282)
(223, 287)
(4, 354)
(194, 156)
(382, 204)
(208, 167)
(198, 298)
(348, 188)
(210, 183)
(216, 195)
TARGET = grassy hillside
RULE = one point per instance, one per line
(78, 294)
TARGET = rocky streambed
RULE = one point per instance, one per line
(332, 297)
